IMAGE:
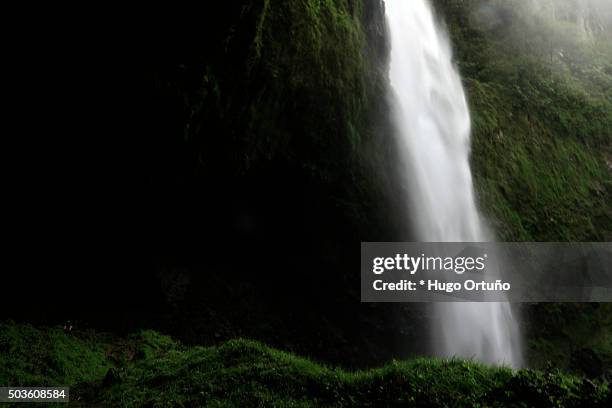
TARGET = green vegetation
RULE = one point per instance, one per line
(301, 85)
(293, 81)
(29, 356)
(293, 87)
(149, 369)
(321, 65)
(541, 98)
(576, 337)
(539, 81)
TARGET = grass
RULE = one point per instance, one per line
(149, 369)
(29, 356)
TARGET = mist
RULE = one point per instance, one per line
(591, 19)
(572, 37)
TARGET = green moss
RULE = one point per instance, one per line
(149, 344)
(149, 369)
(319, 73)
(541, 104)
(542, 122)
(560, 330)
(295, 82)
(49, 357)
(534, 185)
(247, 373)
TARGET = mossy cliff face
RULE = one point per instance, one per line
(293, 83)
(268, 162)
(542, 118)
(300, 88)
(287, 96)
(261, 156)
(294, 80)
(541, 104)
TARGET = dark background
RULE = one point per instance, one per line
(116, 220)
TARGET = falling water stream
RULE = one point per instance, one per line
(433, 123)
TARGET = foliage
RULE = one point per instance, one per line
(542, 119)
(540, 92)
(293, 81)
(149, 369)
(576, 336)
(49, 357)
(247, 373)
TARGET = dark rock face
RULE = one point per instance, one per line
(289, 154)
(586, 361)
(244, 154)
(283, 166)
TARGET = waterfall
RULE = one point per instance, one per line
(433, 132)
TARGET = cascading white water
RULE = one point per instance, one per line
(433, 129)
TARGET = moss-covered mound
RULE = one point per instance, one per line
(33, 357)
(149, 369)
